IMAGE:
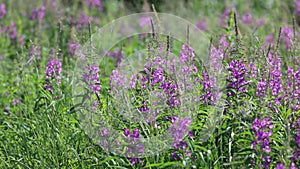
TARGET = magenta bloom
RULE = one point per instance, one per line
(94, 3)
(38, 14)
(15, 102)
(53, 71)
(2, 10)
(202, 25)
(73, 48)
(297, 5)
(92, 78)
(247, 18)
(269, 39)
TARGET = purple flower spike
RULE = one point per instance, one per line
(53, 71)
(247, 18)
(2, 10)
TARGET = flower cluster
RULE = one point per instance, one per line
(35, 51)
(12, 32)
(94, 3)
(2, 10)
(287, 36)
(117, 79)
(263, 132)
(134, 146)
(297, 4)
(237, 78)
(53, 71)
(178, 129)
(296, 133)
(247, 18)
(292, 90)
(38, 14)
(91, 76)
(117, 55)
(225, 16)
(73, 48)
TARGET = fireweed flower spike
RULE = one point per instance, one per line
(73, 48)
(247, 18)
(262, 132)
(237, 76)
(53, 71)
(38, 14)
(96, 3)
(2, 10)
(91, 77)
(296, 139)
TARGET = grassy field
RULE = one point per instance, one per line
(62, 108)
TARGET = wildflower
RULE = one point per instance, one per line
(38, 14)
(2, 10)
(263, 132)
(225, 16)
(117, 55)
(202, 25)
(82, 20)
(259, 22)
(237, 78)
(145, 21)
(21, 40)
(247, 18)
(117, 79)
(73, 48)
(12, 31)
(96, 3)
(269, 39)
(35, 51)
(297, 4)
(287, 36)
(279, 166)
(92, 78)
(53, 71)
(178, 129)
(15, 102)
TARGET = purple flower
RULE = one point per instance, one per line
(186, 54)
(279, 166)
(263, 130)
(202, 25)
(178, 129)
(117, 79)
(237, 77)
(91, 77)
(269, 39)
(266, 161)
(21, 40)
(2, 10)
(82, 20)
(145, 21)
(297, 9)
(38, 14)
(15, 102)
(287, 36)
(261, 88)
(225, 16)
(134, 161)
(12, 31)
(117, 55)
(35, 51)
(259, 22)
(96, 3)
(73, 48)
(53, 71)
(247, 18)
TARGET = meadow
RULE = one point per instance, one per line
(231, 100)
